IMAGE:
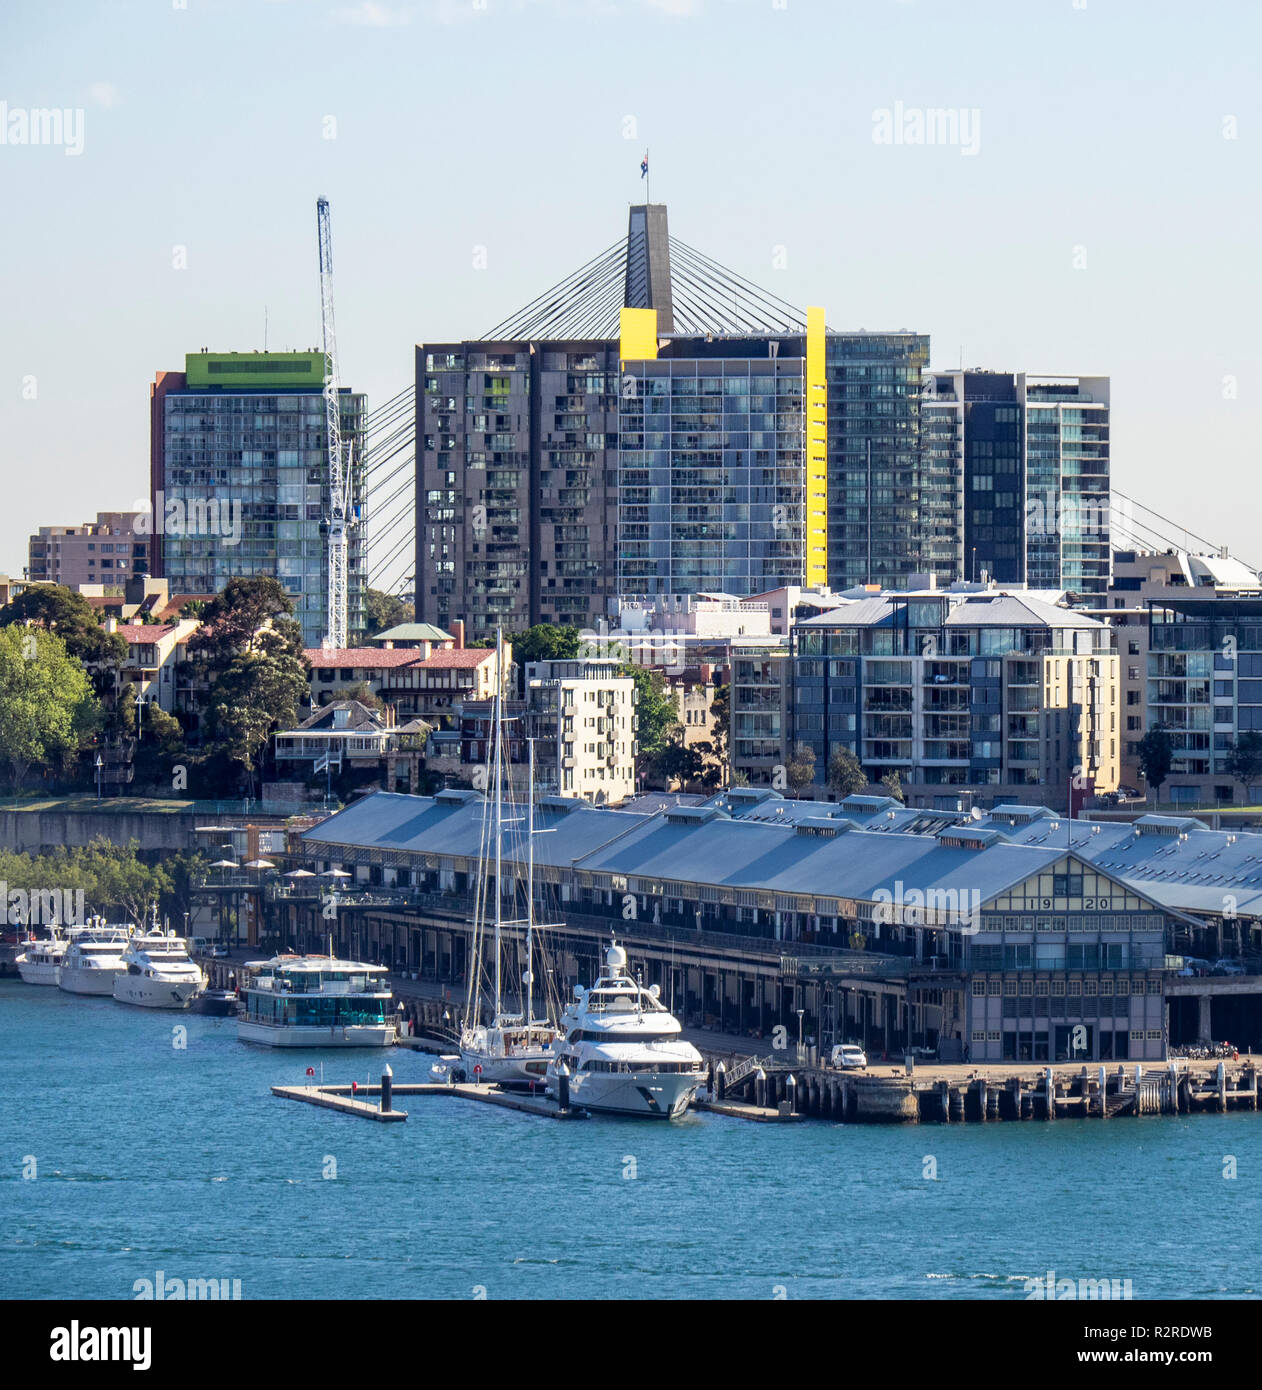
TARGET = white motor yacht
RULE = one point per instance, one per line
(159, 973)
(39, 960)
(93, 958)
(623, 1049)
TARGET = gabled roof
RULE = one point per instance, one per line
(359, 716)
(141, 633)
(364, 657)
(413, 632)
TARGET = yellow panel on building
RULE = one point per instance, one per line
(637, 331)
(816, 450)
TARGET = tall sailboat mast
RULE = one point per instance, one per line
(498, 735)
(530, 889)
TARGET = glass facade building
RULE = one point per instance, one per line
(711, 476)
(515, 492)
(240, 480)
(1030, 487)
(880, 489)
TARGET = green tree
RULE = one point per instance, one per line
(251, 615)
(159, 747)
(47, 708)
(249, 652)
(893, 785)
(846, 776)
(257, 694)
(679, 762)
(1245, 762)
(1156, 757)
(654, 708)
(363, 692)
(543, 642)
(383, 611)
(721, 718)
(69, 615)
(799, 771)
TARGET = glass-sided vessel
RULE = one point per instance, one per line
(315, 1001)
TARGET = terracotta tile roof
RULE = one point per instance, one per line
(362, 657)
(459, 657)
(144, 632)
(171, 609)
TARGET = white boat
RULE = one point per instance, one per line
(93, 959)
(315, 1001)
(39, 960)
(624, 1050)
(512, 1049)
(159, 973)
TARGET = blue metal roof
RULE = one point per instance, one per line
(1191, 871)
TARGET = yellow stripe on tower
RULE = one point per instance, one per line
(816, 451)
(637, 329)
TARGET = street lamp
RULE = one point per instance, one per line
(800, 1013)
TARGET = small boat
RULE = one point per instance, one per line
(315, 1001)
(159, 973)
(94, 958)
(623, 1049)
(448, 1067)
(222, 1003)
(39, 960)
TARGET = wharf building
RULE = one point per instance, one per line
(972, 695)
(1018, 936)
(656, 425)
(239, 479)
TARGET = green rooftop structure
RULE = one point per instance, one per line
(259, 370)
(405, 634)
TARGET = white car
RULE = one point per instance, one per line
(849, 1057)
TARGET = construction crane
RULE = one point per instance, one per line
(338, 518)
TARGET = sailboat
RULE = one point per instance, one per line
(513, 1049)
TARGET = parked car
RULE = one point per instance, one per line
(849, 1057)
(1194, 965)
(1130, 794)
(198, 946)
(218, 951)
(1228, 967)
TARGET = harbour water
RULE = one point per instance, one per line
(151, 1156)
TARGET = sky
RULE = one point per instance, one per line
(1097, 213)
